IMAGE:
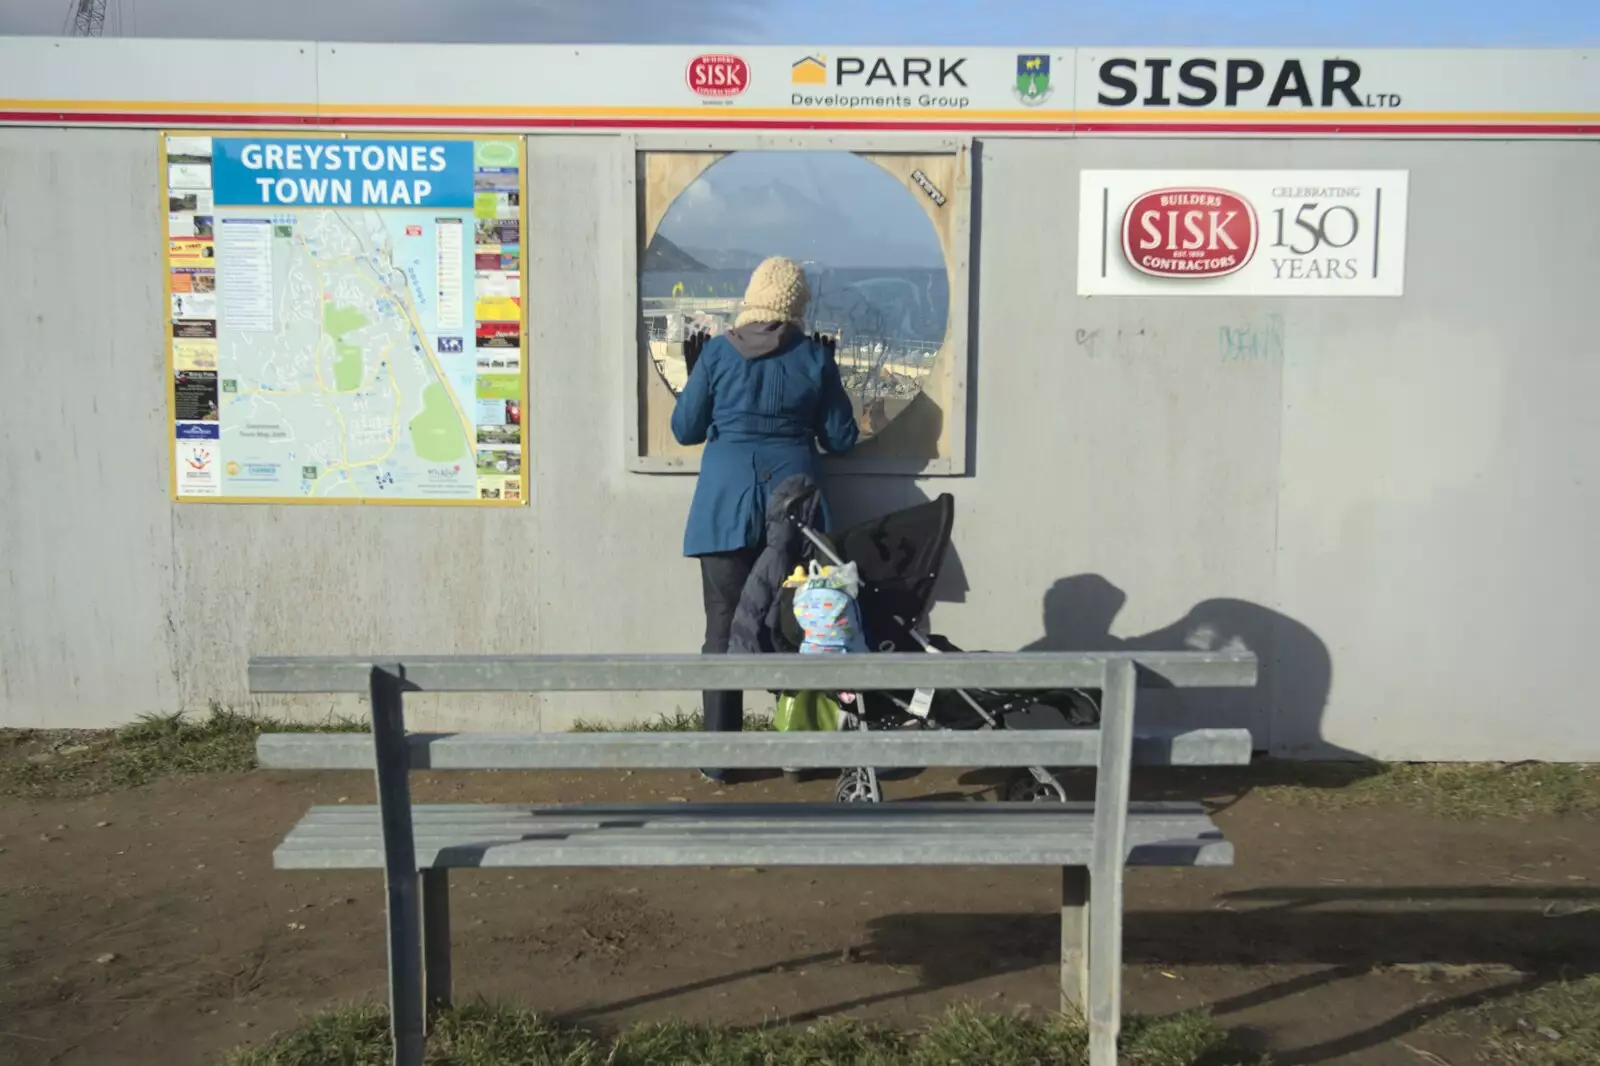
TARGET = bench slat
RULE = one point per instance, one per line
(683, 751)
(693, 673)
(682, 813)
(333, 835)
(933, 834)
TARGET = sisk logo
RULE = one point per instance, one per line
(450, 345)
(718, 75)
(1189, 233)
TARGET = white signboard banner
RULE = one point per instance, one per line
(1242, 233)
(1042, 91)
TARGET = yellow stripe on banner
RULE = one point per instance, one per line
(496, 110)
(345, 501)
(165, 178)
(163, 106)
(595, 111)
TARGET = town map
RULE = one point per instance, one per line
(346, 319)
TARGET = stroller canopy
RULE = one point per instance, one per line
(898, 556)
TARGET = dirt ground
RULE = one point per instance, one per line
(148, 925)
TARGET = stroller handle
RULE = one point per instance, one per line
(819, 543)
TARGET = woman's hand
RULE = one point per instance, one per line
(693, 344)
(837, 431)
(691, 413)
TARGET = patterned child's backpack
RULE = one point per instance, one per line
(825, 606)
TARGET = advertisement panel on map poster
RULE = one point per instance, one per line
(1242, 233)
(329, 299)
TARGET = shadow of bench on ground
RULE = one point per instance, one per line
(1478, 932)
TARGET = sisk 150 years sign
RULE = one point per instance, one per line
(1242, 233)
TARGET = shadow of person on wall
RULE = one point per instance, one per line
(1283, 711)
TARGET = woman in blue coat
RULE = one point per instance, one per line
(763, 398)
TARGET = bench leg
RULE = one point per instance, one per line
(1074, 939)
(1109, 861)
(436, 940)
(393, 761)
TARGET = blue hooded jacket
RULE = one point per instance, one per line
(761, 398)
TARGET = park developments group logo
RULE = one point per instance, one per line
(1189, 233)
(812, 70)
(880, 73)
(1033, 79)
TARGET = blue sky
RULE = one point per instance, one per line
(1464, 23)
(1354, 23)
(831, 207)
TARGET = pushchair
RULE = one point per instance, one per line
(898, 556)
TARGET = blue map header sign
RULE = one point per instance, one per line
(318, 172)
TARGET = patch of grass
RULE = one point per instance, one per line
(1453, 790)
(1557, 1025)
(51, 764)
(676, 722)
(63, 763)
(489, 1035)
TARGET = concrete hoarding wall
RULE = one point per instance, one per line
(1385, 498)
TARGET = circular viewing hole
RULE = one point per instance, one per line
(871, 254)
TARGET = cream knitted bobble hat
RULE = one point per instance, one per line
(777, 293)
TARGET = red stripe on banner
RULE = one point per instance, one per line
(156, 119)
(1476, 129)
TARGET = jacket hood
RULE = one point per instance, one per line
(757, 340)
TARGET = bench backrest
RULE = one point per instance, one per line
(1110, 748)
(1116, 674)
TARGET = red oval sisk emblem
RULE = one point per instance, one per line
(718, 75)
(1189, 233)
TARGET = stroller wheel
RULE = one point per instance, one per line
(856, 786)
(1026, 788)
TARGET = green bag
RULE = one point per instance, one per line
(808, 712)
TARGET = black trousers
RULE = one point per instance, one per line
(722, 578)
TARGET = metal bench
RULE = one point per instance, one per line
(1090, 843)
